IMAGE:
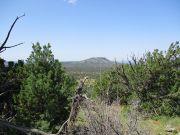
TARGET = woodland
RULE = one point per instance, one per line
(39, 97)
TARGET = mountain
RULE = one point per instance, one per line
(93, 65)
(97, 60)
(94, 62)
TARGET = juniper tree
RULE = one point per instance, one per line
(43, 101)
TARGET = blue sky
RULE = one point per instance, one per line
(79, 29)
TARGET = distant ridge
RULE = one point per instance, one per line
(101, 60)
(94, 64)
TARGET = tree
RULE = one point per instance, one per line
(109, 88)
(10, 81)
(153, 79)
(43, 101)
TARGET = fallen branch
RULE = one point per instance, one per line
(22, 129)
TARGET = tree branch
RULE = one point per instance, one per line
(3, 47)
(77, 99)
(23, 129)
(13, 45)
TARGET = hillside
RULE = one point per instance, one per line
(96, 60)
(91, 67)
(94, 64)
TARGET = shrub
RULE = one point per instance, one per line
(43, 101)
(154, 79)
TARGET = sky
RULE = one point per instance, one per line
(80, 29)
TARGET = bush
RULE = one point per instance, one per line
(43, 101)
(109, 89)
(10, 81)
(154, 79)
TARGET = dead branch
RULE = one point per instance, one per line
(22, 129)
(123, 78)
(130, 63)
(78, 98)
(3, 46)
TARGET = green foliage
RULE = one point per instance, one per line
(108, 88)
(10, 80)
(154, 79)
(43, 101)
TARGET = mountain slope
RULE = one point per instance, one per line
(91, 64)
(97, 60)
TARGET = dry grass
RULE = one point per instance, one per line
(97, 118)
(101, 119)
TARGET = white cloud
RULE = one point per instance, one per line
(71, 1)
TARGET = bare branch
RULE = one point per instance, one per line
(78, 98)
(9, 32)
(132, 66)
(13, 45)
(62, 128)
